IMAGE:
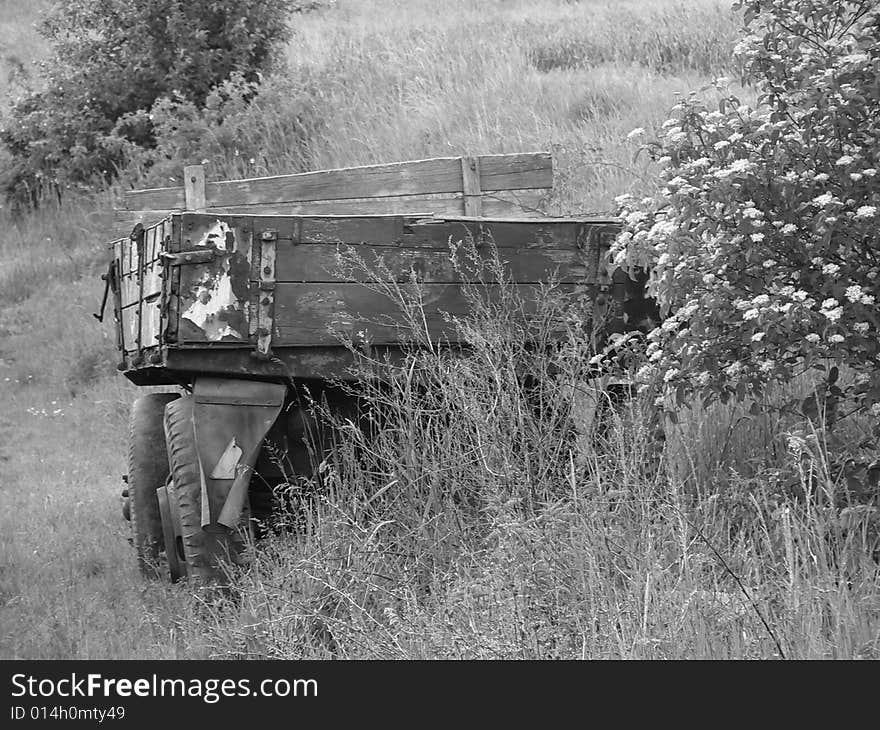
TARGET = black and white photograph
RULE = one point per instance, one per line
(492, 331)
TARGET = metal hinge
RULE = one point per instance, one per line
(266, 294)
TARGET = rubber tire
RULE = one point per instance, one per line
(206, 552)
(147, 471)
(175, 561)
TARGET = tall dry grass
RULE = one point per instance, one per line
(376, 81)
(483, 509)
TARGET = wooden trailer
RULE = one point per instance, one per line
(242, 291)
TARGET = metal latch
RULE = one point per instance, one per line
(196, 256)
(109, 280)
(266, 294)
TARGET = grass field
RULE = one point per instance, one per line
(708, 553)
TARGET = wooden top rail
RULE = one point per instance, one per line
(488, 185)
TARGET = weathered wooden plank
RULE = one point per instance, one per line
(322, 314)
(405, 178)
(146, 319)
(417, 177)
(312, 229)
(516, 203)
(151, 243)
(544, 234)
(130, 326)
(507, 172)
(152, 276)
(124, 257)
(119, 248)
(329, 263)
(405, 230)
(124, 217)
(151, 322)
(194, 187)
(319, 362)
(129, 290)
(470, 185)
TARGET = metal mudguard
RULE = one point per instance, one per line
(231, 418)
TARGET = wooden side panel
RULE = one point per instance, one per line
(526, 171)
(330, 257)
(335, 263)
(324, 314)
(325, 266)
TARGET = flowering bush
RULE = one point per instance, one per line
(763, 244)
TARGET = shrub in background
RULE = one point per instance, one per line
(114, 57)
(243, 129)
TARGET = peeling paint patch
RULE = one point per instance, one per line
(217, 311)
(226, 465)
(219, 236)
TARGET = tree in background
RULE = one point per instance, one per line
(764, 242)
(113, 58)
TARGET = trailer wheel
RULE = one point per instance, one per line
(147, 471)
(206, 552)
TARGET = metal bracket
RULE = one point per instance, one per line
(266, 294)
(196, 256)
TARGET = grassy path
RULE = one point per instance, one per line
(68, 584)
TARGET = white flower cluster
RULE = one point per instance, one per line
(754, 238)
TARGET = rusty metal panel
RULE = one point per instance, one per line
(214, 295)
(172, 282)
